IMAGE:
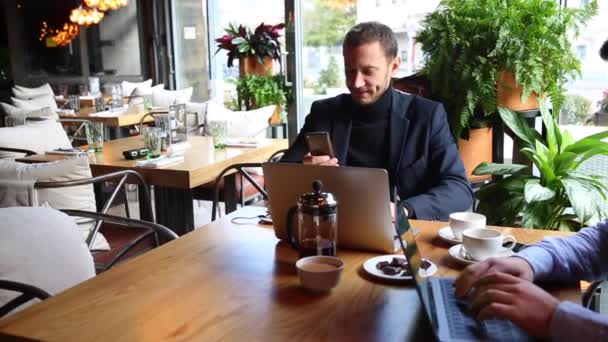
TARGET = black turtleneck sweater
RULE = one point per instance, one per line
(369, 135)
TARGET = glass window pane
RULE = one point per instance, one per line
(43, 57)
(113, 44)
(585, 93)
(245, 12)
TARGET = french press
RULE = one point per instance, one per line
(317, 222)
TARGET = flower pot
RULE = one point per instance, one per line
(249, 65)
(275, 119)
(508, 93)
(476, 150)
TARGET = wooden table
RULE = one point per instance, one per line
(236, 283)
(173, 184)
(114, 124)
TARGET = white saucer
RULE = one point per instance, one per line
(370, 267)
(457, 253)
(446, 235)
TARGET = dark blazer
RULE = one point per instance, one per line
(424, 163)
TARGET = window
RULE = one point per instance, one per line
(113, 45)
(44, 58)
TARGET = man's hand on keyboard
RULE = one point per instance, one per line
(501, 295)
(517, 267)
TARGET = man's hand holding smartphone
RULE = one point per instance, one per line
(320, 160)
(321, 150)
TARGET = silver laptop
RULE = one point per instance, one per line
(448, 314)
(364, 214)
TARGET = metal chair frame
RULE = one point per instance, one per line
(146, 214)
(28, 292)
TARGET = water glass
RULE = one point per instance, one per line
(218, 130)
(152, 141)
(75, 102)
(95, 135)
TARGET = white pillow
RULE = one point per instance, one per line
(81, 197)
(128, 87)
(25, 93)
(41, 247)
(41, 136)
(164, 98)
(16, 116)
(252, 123)
(200, 111)
(36, 103)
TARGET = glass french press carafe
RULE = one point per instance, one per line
(317, 222)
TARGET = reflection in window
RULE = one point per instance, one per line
(114, 44)
(45, 58)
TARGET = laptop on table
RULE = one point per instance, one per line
(448, 314)
(364, 211)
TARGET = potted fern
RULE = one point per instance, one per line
(478, 52)
(558, 196)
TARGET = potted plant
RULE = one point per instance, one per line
(256, 91)
(559, 197)
(255, 49)
(478, 51)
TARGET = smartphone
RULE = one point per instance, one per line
(319, 144)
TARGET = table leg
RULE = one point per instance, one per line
(230, 192)
(174, 209)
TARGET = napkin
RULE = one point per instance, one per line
(178, 149)
(241, 143)
(159, 161)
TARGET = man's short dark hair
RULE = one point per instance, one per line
(370, 32)
(604, 51)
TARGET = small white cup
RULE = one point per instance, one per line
(461, 221)
(319, 273)
(482, 243)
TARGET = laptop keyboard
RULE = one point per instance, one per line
(464, 326)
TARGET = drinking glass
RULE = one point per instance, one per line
(218, 130)
(75, 102)
(95, 135)
(152, 141)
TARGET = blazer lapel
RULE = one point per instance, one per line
(341, 137)
(398, 128)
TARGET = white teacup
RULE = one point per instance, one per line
(482, 243)
(459, 222)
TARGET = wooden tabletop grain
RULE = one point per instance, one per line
(118, 120)
(235, 282)
(202, 162)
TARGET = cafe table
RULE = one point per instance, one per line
(174, 183)
(233, 280)
(114, 122)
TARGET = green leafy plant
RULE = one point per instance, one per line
(255, 91)
(241, 42)
(575, 110)
(466, 43)
(560, 197)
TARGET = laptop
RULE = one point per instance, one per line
(447, 313)
(364, 212)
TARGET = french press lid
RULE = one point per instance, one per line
(318, 202)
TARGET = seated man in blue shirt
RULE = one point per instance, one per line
(380, 127)
(504, 288)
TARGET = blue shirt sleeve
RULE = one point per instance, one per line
(570, 259)
(572, 322)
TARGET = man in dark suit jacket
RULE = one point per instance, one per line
(378, 126)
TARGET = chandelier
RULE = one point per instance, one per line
(59, 37)
(105, 5)
(86, 16)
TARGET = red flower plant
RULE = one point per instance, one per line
(242, 42)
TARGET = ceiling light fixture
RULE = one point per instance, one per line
(106, 5)
(86, 16)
